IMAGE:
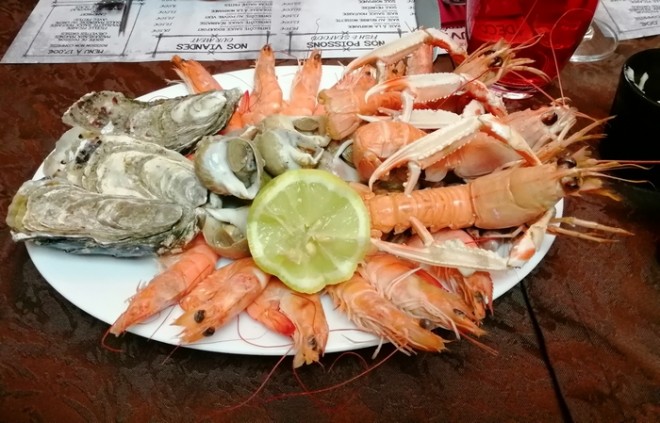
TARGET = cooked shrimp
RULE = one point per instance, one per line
(237, 285)
(266, 94)
(411, 289)
(503, 199)
(168, 287)
(345, 102)
(294, 314)
(373, 313)
(194, 75)
(305, 87)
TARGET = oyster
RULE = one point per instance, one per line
(56, 213)
(121, 165)
(229, 166)
(175, 123)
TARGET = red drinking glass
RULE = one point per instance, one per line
(552, 29)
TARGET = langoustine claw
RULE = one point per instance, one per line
(396, 50)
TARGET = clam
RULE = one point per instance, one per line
(229, 166)
(59, 214)
(175, 123)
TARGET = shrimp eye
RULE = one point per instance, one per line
(199, 316)
(425, 324)
(570, 183)
(208, 332)
(496, 62)
(312, 342)
(566, 162)
(549, 118)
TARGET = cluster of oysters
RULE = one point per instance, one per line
(118, 183)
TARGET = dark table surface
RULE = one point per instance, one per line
(578, 339)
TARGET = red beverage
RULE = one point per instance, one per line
(559, 26)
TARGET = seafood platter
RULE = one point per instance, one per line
(157, 214)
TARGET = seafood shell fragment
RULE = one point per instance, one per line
(225, 231)
(284, 149)
(121, 165)
(175, 123)
(56, 213)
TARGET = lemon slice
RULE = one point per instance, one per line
(308, 228)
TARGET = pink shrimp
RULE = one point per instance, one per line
(168, 287)
(294, 314)
(411, 289)
(373, 313)
(305, 87)
(236, 286)
(266, 96)
(194, 75)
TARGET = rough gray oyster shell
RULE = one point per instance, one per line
(175, 123)
(121, 165)
(56, 213)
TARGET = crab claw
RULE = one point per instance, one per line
(396, 50)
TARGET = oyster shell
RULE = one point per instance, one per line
(121, 165)
(229, 166)
(175, 123)
(56, 213)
